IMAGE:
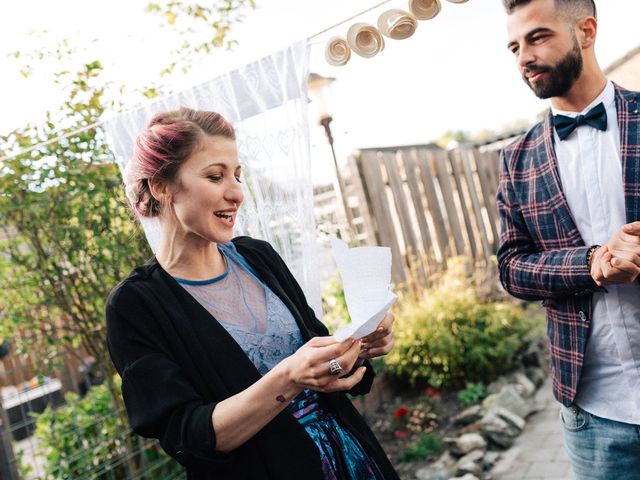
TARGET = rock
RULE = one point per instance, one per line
(523, 385)
(535, 353)
(471, 428)
(441, 469)
(469, 467)
(432, 473)
(510, 399)
(518, 380)
(495, 386)
(473, 456)
(445, 461)
(469, 415)
(498, 430)
(470, 463)
(465, 443)
(509, 417)
(536, 374)
(490, 459)
(468, 476)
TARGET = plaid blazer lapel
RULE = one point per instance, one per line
(545, 155)
(629, 122)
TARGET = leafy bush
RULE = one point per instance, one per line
(422, 448)
(450, 334)
(82, 440)
(472, 393)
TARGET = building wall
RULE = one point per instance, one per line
(626, 71)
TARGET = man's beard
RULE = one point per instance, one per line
(559, 78)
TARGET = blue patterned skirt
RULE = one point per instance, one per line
(342, 456)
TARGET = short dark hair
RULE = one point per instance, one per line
(574, 9)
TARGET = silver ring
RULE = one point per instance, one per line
(334, 367)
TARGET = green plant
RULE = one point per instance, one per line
(449, 335)
(334, 304)
(25, 469)
(83, 440)
(426, 445)
(472, 393)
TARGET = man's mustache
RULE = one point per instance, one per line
(534, 69)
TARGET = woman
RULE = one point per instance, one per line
(221, 357)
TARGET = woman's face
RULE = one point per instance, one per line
(207, 193)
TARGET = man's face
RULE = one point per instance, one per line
(546, 48)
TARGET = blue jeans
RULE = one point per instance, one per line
(600, 449)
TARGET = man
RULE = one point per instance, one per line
(569, 202)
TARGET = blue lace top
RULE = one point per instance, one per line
(254, 316)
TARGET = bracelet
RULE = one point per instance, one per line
(590, 253)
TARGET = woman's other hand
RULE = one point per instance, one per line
(380, 342)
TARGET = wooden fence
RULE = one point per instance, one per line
(427, 204)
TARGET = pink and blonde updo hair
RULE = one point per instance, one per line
(160, 150)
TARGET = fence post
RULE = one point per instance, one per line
(8, 467)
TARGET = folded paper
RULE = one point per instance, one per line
(337, 52)
(365, 40)
(424, 9)
(397, 24)
(366, 280)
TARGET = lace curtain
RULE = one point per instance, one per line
(267, 103)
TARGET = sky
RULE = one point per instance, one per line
(454, 73)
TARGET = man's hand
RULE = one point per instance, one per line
(618, 261)
(625, 244)
(632, 228)
(609, 270)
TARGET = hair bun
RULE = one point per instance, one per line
(132, 194)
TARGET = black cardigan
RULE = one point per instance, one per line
(176, 362)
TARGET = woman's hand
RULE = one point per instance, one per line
(309, 367)
(238, 418)
(380, 342)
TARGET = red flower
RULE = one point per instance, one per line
(400, 412)
(433, 392)
(400, 434)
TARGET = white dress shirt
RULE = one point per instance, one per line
(591, 175)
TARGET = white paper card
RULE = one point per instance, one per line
(366, 279)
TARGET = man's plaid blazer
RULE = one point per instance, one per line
(541, 254)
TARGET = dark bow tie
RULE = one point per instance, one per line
(596, 117)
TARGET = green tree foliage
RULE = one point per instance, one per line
(65, 230)
(68, 236)
(83, 440)
(203, 27)
(451, 136)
